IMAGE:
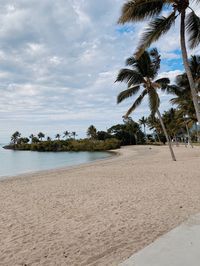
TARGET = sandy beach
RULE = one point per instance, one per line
(99, 213)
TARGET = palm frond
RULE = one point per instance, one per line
(174, 101)
(130, 61)
(195, 66)
(139, 10)
(155, 30)
(154, 101)
(174, 89)
(163, 83)
(193, 29)
(144, 65)
(155, 60)
(132, 77)
(127, 93)
(136, 103)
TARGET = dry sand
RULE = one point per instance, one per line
(100, 213)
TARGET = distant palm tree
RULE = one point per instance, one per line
(15, 136)
(142, 75)
(92, 132)
(172, 123)
(31, 137)
(66, 134)
(143, 122)
(41, 135)
(74, 134)
(48, 138)
(57, 136)
(141, 10)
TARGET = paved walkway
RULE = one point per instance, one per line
(179, 247)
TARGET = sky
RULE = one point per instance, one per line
(58, 63)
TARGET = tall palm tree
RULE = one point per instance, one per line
(143, 122)
(182, 93)
(140, 10)
(142, 75)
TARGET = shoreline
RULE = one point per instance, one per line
(97, 213)
(62, 168)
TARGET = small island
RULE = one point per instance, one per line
(128, 133)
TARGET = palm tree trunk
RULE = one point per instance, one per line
(176, 141)
(188, 133)
(197, 131)
(145, 135)
(166, 135)
(158, 137)
(187, 67)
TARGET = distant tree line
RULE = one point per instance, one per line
(128, 133)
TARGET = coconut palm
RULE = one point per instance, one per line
(154, 124)
(181, 90)
(41, 135)
(172, 122)
(182, 93)
(31, 137)
(57, 136)
(140, 10)
(15, 136)
(143, 122)
(66, 134)
(142, 75)
(74, 134)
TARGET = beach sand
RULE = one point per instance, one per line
(99, 213)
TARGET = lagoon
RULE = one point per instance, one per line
(19, 162)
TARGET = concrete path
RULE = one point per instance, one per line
(179, 247)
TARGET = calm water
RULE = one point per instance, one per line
(18, 162)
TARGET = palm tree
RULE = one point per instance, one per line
(66, 134)
(181, 90)
(154, 124)
(57, 136)
(15, 136)
(143, 122)
(172, 122)
(41, 135)
(142, 75)
(48, 138)
(74, 134)
(183, 99)
(92, 132)
(31, 137)
(140, 10)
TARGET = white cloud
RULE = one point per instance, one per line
(59, 60)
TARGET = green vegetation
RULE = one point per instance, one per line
(140, 10)
(142, 75)
(128, 133)
(68, 145)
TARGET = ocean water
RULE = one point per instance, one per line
(17, 162)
